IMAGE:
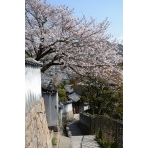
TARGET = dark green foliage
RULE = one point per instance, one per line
(62, 95)
(54, 141)
(62, 92)
(100, 133)
(105, 100)
(104, 97)
(64, 130)
(114, 145)
(104, 143)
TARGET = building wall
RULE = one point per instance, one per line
(86, 107)
(36, 130)
(37, 134)
(32, 87)
(67, 112)
(82, 107)
(51, 103)
(67, 108)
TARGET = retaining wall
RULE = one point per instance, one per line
(37, 134)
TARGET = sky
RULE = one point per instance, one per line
(98, 9)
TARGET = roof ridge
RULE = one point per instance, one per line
(33, 62)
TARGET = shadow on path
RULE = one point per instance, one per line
(75, 130)
(78, 139)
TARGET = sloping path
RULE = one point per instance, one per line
(78, 140)
(65, 142)
(89, 142)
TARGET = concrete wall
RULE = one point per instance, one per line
(36, 131)
(51, 108)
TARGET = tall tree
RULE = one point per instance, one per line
(103, 98)
(55, 37)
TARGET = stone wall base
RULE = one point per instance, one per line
(37, 134)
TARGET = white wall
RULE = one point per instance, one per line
(67, 108)
(86, 107)
(66, 113)
(51, 108)
(32, 87)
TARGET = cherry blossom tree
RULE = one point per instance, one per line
(55, 37)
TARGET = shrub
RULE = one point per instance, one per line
(54, 141)
(65, 130)
(104, 143)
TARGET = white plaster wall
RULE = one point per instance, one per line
(32, 87)
(66, 112)
(86, 107)
(51, 103)
(67, 108)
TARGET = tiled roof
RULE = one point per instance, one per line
(74, 97)
(32, 62)
(67, 102)
(49, 88)
(68, 88)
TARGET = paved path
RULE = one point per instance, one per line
(89, 142)
(74, 129)
(65, 142)
(78, 140)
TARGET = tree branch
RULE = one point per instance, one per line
(49, 65)
(50, 50)
(27, 53)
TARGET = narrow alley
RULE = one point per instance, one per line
(77, 139)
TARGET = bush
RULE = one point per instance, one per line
(54, 141)
(65, 130)
(62, 95)
(104, 143)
